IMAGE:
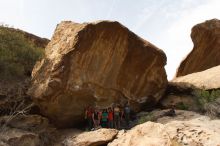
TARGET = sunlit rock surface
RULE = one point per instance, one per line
(97, 64)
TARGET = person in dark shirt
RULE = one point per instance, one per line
(96, 118)
(88, 117)
(126, 113)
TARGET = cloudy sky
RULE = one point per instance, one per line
(165, 23)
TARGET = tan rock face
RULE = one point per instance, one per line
(206, 51)
(208, 79)
(186, 128)
(96, 64)
(94, 138)
(148, 134)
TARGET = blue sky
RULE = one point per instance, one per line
(165, 23)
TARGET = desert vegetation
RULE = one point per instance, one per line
(204, 97)
(17, 54)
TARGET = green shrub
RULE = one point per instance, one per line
(182, 106)
(146, 118)
(204, 96)
(17, 54)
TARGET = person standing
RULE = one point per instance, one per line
(104, 118)
(88, 117)
(127, 112)
(117, 117)
(110, 118)
(96, 118)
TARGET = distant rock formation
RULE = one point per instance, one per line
(206, 51)
(96, 64)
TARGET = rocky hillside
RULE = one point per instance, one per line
(206, 51)
(19, 52)
(96, 64)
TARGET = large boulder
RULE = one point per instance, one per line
(206, 51)
(98, 64)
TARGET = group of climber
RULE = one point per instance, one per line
(107, 118)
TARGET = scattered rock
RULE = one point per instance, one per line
(13, 96)
(26, 122)
(196, 131)
(26, 130)
(98, 64)
(190, 128)
(184, 102)
(179, 97)
(17, 137)
(213, 108)
(181, 115)
(206, 51)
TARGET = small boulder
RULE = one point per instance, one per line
(18, 137)
(94, 138)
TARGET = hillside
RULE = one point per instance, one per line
(19, 51)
